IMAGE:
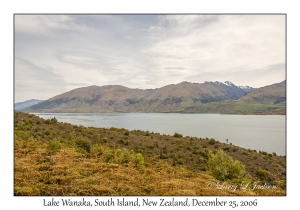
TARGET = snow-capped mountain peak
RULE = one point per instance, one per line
(229, 83)
(246, 87)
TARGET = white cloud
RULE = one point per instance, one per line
(207, 44)
(32, 81)
(150, 51)
(45, 24)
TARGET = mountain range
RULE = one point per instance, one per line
(24, 104)
(270, 99)
(185, 97)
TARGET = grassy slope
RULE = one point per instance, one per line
(170, 98)
(240, 107)
(50, 161)
(269, 100)
(183, 97)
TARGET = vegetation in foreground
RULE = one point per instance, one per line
(54, 158)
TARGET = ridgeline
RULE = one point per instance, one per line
(185, 97)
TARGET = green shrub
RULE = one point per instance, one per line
(165, 151)
(180, 155)
(263, 152)
(212, 141)
(139, 160)
(245, 153)
(204, 153)
(163, 156)
(47, 133)
(264, 175)
(81, 151)
(177, 135)
(81, 128)
(96, 151)
(104, 139)
(227, 149)
(234, 149)
(109, 158)
(54, 145)
(113, 129)
(151, 146)
(123, 155)
(53, 120)
(121, 141)
(180, 162)
(223, 167)
(84, 144)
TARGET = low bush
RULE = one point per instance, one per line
(264, 175)
(204, 153)
(54, 145)
(212, 141)
(123, 155)
(84, 144)
(223, 167)
(177, 135)
(139, 160)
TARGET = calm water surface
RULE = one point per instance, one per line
(260, 132)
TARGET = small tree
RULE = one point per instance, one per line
(139, 160)
(223, 167)
(84, 144)
(53, 120)
(177, 135)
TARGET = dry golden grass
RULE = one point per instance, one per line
(68, 173)
(63, 169)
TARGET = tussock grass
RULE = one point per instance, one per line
(66, 163)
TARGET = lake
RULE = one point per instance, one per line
(259, 132)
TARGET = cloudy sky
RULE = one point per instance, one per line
(58, 53)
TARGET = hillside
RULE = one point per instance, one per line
(185, 97)
(24, 104)
(271, 94)
(54, 158)
(270, 99)
(116, 98)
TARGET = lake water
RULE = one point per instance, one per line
(260, 132)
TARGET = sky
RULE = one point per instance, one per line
(57, 53)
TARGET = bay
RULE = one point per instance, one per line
(259, 132)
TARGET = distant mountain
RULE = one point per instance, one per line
(270, 99)
(185, 97)
(230, 84)
(24, 104)
(271, 94)
(116, 98)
